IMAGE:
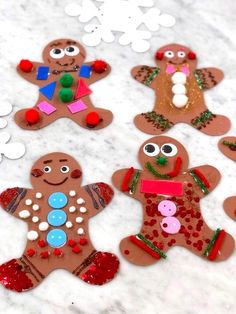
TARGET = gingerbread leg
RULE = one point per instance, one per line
(20, 275)
(138, 252)
(211, 124)
(98, 268)
(152, 123)
(93, 118)
(38, 120)
(230, 207)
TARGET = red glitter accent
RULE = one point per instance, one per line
(105, 266)
(57, 252)
(42, 243)
(126, 180)
(159, 55)
(7, 196)
(126, 252)
(44, 255)
(76, 249)
(13, 278)
(83, 241)
(192, 55)
(30, 252)
(75, 174)
(106, 192)
(71, 243)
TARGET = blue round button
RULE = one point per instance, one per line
(56, 238)
(57, 217)
(57, 200)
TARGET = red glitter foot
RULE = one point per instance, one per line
(102, 269)
(13, 277)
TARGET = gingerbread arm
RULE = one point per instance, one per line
(127, 181)
(96, 76)
(13, 201)
(145, 74)
(205, 178)
(208, 77)
(31, 75)
(97, 196)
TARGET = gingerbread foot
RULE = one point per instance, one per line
(152, 123)
(31, 119)
(230, 207)
(20, 275)
(98, 268)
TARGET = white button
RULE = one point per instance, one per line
(32, 235)
(35, 207)
(80, 231)
(69, 224)
(38, 195)
(180, 101)
(24, 214)
(80, 201)
(72, 193)
(72, 209)
(79, 219)
(28, 202)
(83, 209)
(179, 78)
(43, 226)
(35, 219)
(179, 89)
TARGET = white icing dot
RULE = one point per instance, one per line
(179, 89)
(179, 78)
(35, 219)
(32, 235)
(43, 226)
(80, 201)
(72, 193)
(79, 219)
(24, 214)
(28, 202)
(35, 207)
(80, 231)
(38, 195)
(180, 101)
(83, 209)
(69, 224)
(72, 209)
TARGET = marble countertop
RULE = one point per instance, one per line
(183, 284)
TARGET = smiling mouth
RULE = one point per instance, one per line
(169, 175)
(176, 63)
(66, 64)
(59, 183)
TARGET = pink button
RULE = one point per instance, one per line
(77, 106)
(167, 208)
(46, 107)
(170, 225)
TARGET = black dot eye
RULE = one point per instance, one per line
(65, 169)
(169, 150)
(47, 169)
(151, 149)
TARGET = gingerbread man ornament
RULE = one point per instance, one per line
(57, 210)
(170, 194)
(179, 88)
(63, 79)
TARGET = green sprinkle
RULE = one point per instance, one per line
(230, 144)
(152, 246)
(199, 182)
(212, 242)
(152, 76)
(199, 81)
(203, 117)
(156, 173)
(134, 182)
(157, 118)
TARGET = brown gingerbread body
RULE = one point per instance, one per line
(166, 181)
(179, 88)
(57, 210)
(59, 64)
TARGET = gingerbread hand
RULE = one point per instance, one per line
(57, 211)
(179, 88)
(63, 79)
(170, 195)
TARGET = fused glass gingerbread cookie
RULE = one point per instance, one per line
(57, 210)
(179, 90)
(64, 81)
(170, 195)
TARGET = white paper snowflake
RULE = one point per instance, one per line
(123, 16)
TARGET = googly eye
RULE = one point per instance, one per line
(57, 53)
(169, 150)
(181, 54)
(72, 51)
(169, 54)
(65, 169)
(47, 169)
(151, 149)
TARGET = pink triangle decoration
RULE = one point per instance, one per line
(82, 89)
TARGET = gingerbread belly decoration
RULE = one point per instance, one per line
(179, 87)
(64, 87)
(170, 195)
(57, 210)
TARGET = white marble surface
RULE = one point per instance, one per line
(183, 284)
